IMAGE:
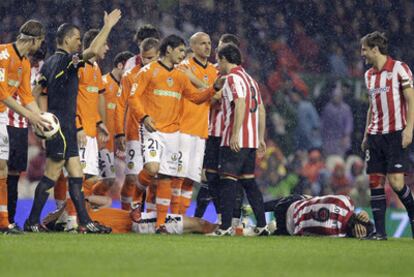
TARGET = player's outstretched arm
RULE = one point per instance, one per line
(407, 135)
(34, 117)
(239, 113)
(110, 20)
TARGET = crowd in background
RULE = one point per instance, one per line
(305, 54)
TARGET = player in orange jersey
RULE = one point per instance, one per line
(127, 127)
(90, 117)
(193, 125)
(156, 100)
(15, 79)
(111, 82)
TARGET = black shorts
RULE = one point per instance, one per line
(211, 154)
(18, 145)
(237, 164)
(63, 146)
(385, 154)
(279, 208)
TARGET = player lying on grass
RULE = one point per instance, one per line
(330, 215)
(120, 222)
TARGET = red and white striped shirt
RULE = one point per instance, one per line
(215, 120)
(14, 119)
(388, 105)
(132, 62)
(321, 216)
(239, 84)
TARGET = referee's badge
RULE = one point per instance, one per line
(170, 82)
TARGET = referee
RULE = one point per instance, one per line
(58, 84)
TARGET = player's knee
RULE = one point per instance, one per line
(131, 179)
(152, 168)
(3, 168)
(376, 181)
(396, 181)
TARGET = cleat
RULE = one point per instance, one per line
(220, 232)
(272, 226)
(135, 213)
(35, 228)
(256, 232)
(94, 228)
(162, 230)
(375, 236)
(14, 229)
(50, 221)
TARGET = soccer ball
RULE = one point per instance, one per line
(48, 133)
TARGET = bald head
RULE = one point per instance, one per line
(200, 43)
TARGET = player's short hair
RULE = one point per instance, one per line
(31, 29)
(88, 37)
(148, 44)
(376, 39)
(64, 30)
(230, 38)
(231, 52)
(173, 41)
(122, 57)
(146, 31)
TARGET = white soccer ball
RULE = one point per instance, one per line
(48, 133)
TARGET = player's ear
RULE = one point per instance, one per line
(169, 49)
(120, 66)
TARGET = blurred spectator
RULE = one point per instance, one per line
(339, 183)
(336, 125)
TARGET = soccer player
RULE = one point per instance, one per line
(127, 127)
(61, 71)
(17, 129)
(193, 126)
(156, 101)
(211, 156)
(330, 215)
(15, 81)
(243, 134)
(111, 82)
(389, 127)
(120, 222)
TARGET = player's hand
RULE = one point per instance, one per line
(407, 137)
(103, 133)
(111, 19)
(38, 121)
(218, 95)
(262, 148)
(120, 143)
(234, 143)
(149, 124)
(81, 138)
(219, 83)
(364, 144)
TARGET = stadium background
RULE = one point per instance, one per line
(306, 48)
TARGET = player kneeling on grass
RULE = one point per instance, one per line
(119, 222)
(330, 215)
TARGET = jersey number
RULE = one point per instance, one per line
(255, 103)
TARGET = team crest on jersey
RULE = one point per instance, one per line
(130, 165)
(174, 157)
(95, 78)
(205, 78)
(321, 215)
(112, 169)
(83, 164)
(119, 92)
(389, 75)
(2, 74)
(153, 153)
(134, 88)
(170, 82)
(4, 55)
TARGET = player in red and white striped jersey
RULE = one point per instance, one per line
(330, 215)
(389, 126)
(243, 134)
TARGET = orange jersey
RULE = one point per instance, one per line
(14, 75)
(90, 86)
(119, 220)
(125, 122)
(111, 90)
(194, 118)
(158, 91)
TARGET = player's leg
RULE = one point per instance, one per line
(397, 165)
(235, 222)
(134, 164)
(17, 163)
(211, 160)
(198, 225)
(60, 190)
(4, 156)
(106, 173)
(182, 169)
(376, 169)
(150, 202)
(203, 199)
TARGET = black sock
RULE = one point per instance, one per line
(227, 199)
(213, 181)
(203, 198)
(40, 198)
(76, 194)
(379, 206)
(407, 199)
(255, 198)
(239, 200)
(12, 182)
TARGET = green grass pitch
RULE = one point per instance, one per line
(196, 255)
